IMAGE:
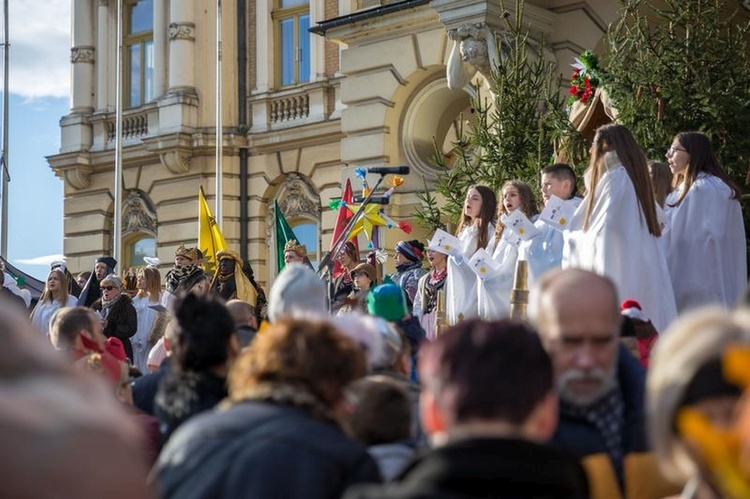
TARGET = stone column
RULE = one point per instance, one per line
(102, 48)
(82, 57)
(181, 46)
(160, 47)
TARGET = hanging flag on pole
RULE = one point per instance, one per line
(210, 238)
(343, 216)
(284, 234)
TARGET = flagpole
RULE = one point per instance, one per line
(219, 128)
(4, 157)
(117, 237)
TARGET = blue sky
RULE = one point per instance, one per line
(39, 97)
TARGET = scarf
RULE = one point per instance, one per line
(107, 304)
(435, 283)
(178, 275)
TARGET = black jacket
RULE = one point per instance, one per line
(486, 468)
(145, 388)
(261, 450)
(122, 321)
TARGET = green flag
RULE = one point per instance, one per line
(283, 234)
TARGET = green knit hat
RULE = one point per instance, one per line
(387, 301)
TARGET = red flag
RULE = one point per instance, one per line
(347, 198)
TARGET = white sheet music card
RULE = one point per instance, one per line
(482, 264)
(520, 225)
(557, 213)
(445, 243)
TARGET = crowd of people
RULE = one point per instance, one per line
(625, 380)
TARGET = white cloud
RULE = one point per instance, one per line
(40, 47)
(40, 260)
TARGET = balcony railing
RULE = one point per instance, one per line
(133, 126)
(289, 108)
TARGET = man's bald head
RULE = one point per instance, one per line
(577, 315)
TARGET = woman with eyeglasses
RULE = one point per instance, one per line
(54, 297)
(705, 238)
(119, 318)
(615, 230)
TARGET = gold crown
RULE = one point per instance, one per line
(190, 253)
(292, 245)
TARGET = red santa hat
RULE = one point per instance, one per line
(633, 310)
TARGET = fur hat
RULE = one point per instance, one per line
(297, 291)
(387, 301)
(189, 253)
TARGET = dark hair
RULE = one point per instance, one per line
(618, 138)
(563, 171)
(69, 323)
(486, 214)
(489, 370)
(702, 159)
(381, 412)
(203, 329)
(661, 180)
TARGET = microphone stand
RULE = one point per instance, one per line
(326, 264)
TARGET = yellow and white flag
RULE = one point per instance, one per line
(210, 238)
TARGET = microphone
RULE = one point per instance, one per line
(373, 200)
(386, 170)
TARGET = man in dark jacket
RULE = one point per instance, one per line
(601, 385)
(488, 401)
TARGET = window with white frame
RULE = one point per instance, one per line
(291, 22)
(139, 52)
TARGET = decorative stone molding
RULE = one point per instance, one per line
(83, 54)
(79, 177)
(182, 31)
(474, 50)
(297, 199)
(176, 161)
(138, 214)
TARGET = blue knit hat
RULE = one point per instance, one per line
(387, 301)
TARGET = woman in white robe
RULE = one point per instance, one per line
(147, 305)
(616, 228)
(54, 297)
(474, 231)
(705, 239)
(493, 291)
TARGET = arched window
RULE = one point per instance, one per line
(300, 203)
(139, 229)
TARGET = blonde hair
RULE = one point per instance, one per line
(62, 294)
(688, 344)
(153, 283)
(528, 205)
(617, 138)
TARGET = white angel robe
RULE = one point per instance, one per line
(545, 250)
(705, 242)
(461, 283)
(493, 292)
(619, 245)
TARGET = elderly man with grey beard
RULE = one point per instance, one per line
(601, 385)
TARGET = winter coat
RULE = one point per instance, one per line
(122, 321)
(261, 450)
(486, 468)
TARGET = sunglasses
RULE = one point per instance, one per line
(108, 288)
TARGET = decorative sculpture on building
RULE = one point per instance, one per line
(138, 215)
(474, 50)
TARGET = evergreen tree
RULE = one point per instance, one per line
(514, 129)
(678, 66)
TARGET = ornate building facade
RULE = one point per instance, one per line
(311, 90)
